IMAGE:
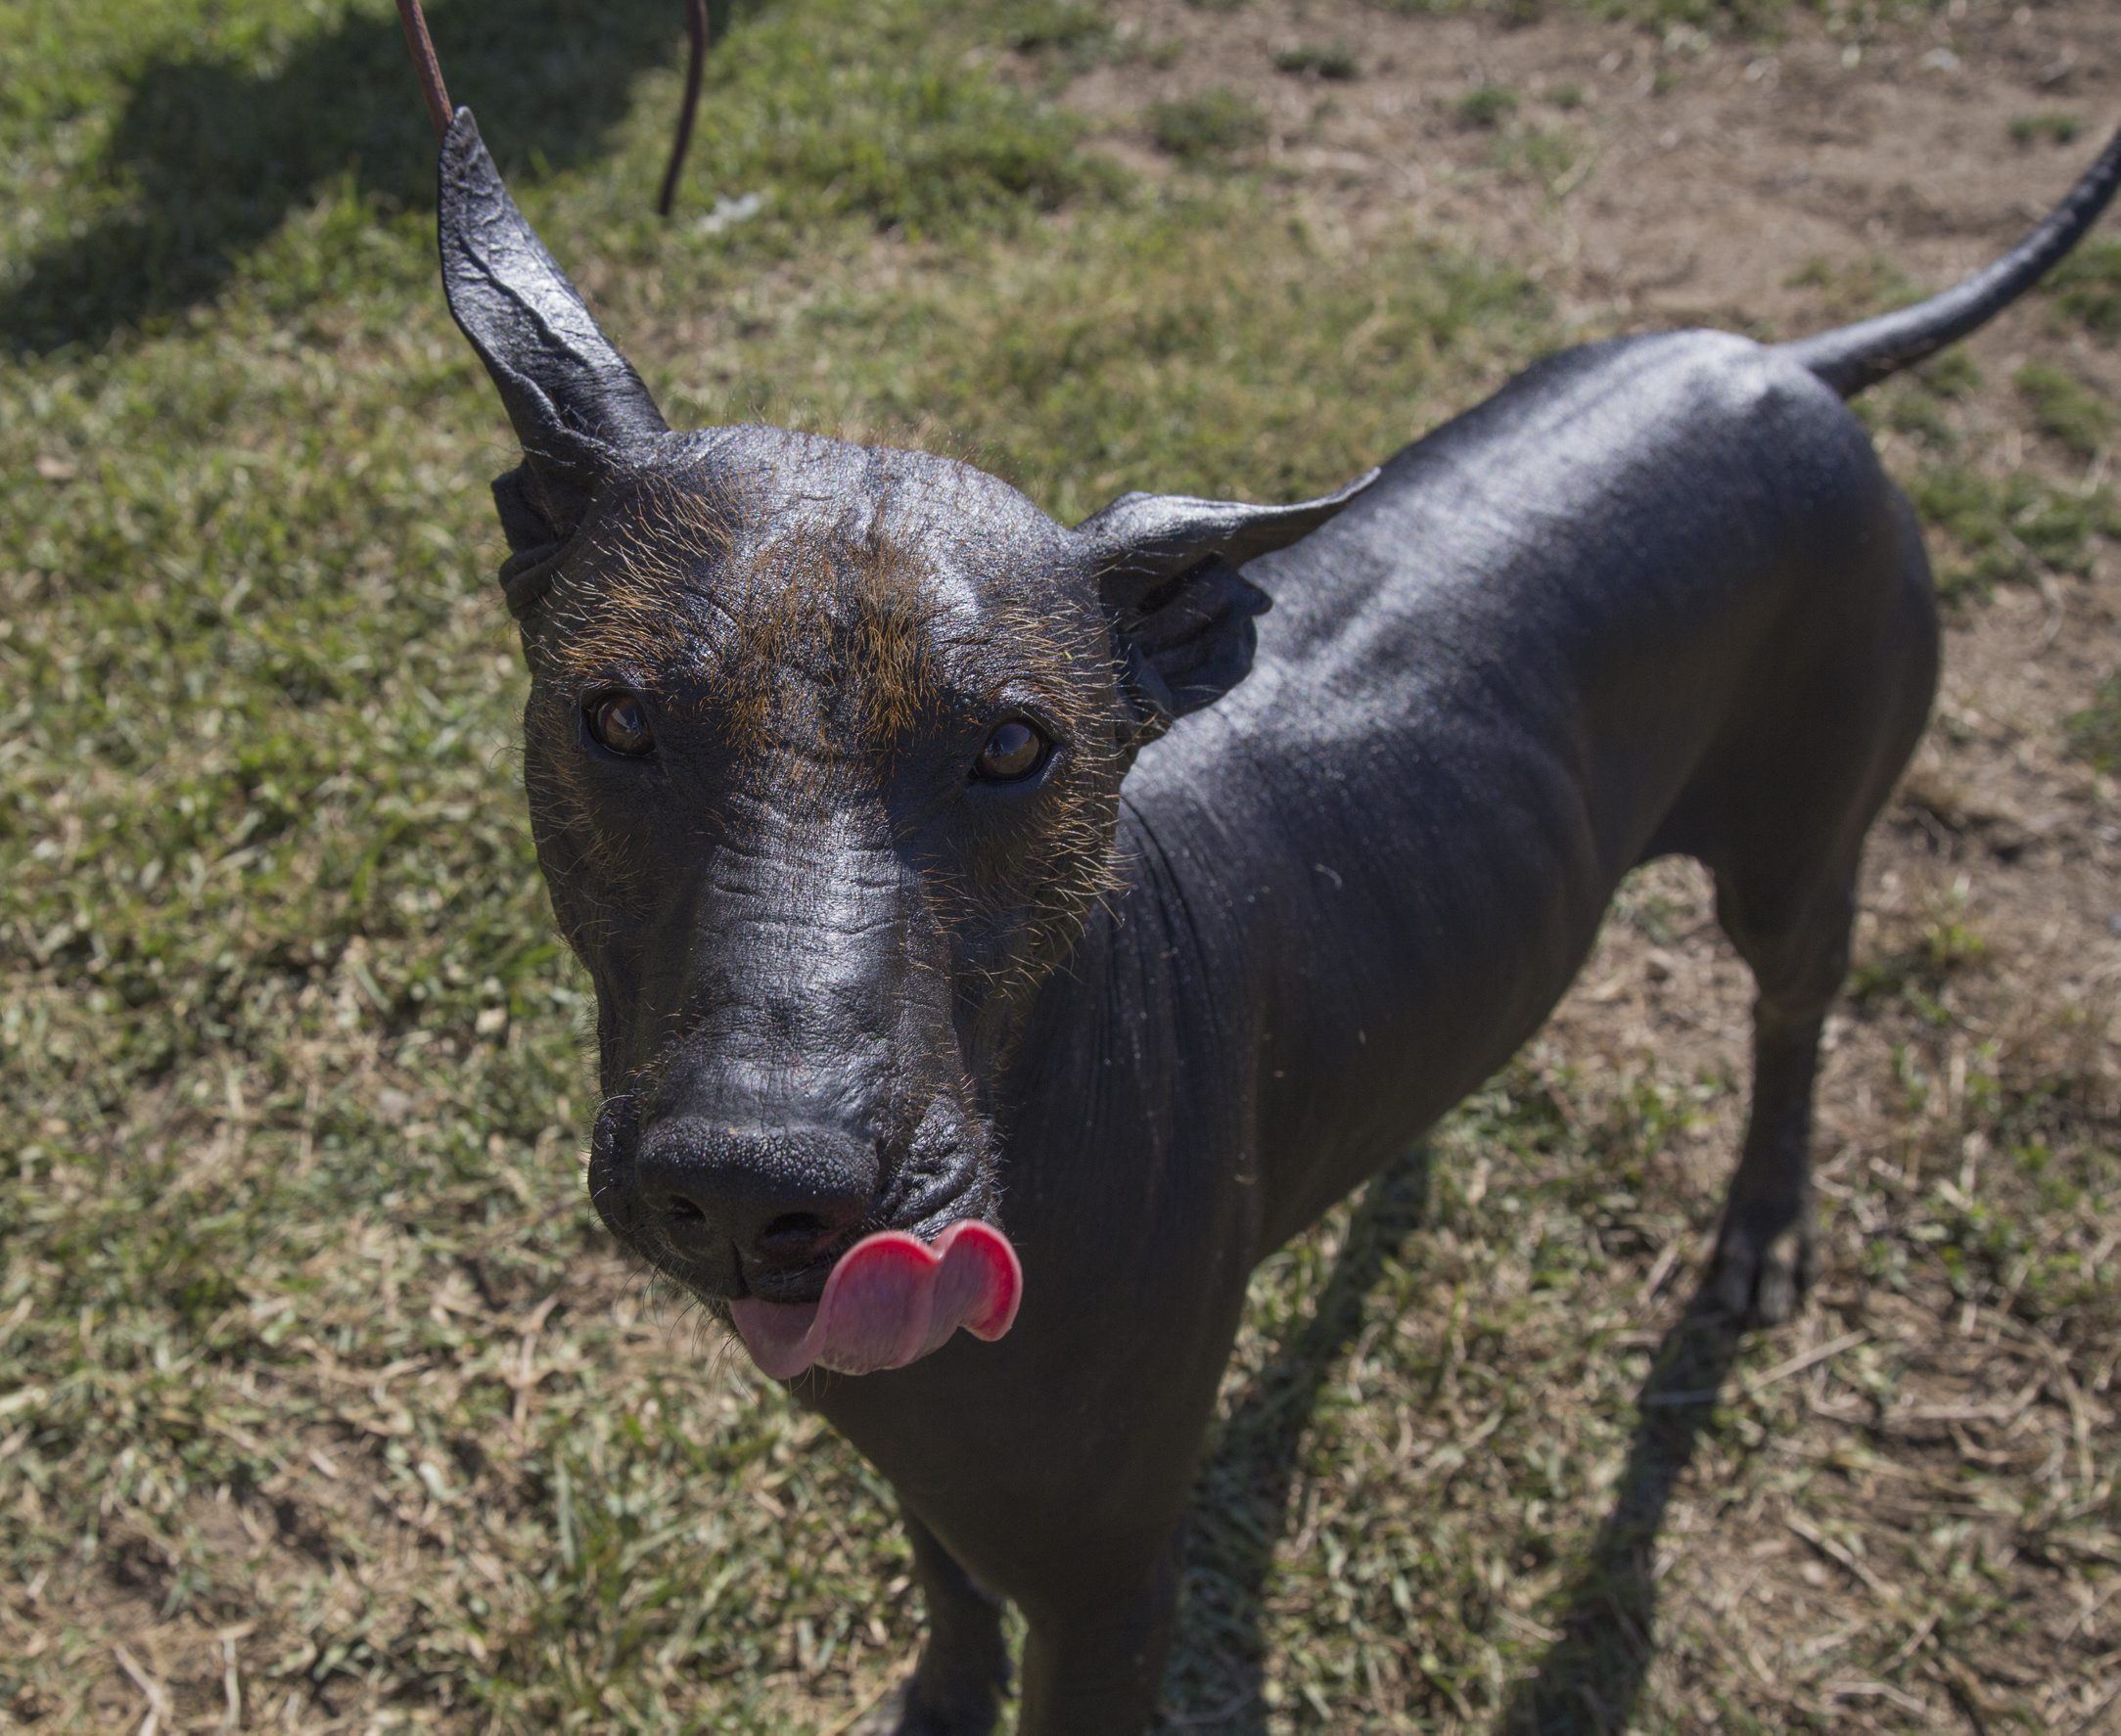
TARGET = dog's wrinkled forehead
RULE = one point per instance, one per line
(632, 547)
(748, 560)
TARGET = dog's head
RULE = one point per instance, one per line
(823, 749)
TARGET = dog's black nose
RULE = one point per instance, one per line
(779, 1198)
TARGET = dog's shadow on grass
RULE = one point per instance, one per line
(213, 154)
(1241, 1499)
(1588, 1680)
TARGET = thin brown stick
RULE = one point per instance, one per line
(695, 69)
(425, 66)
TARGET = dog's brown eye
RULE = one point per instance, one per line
(620, 722)
(1014, 751)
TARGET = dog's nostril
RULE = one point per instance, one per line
(793, 1232)
(743, 1202)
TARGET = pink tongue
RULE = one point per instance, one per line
(891, 1299)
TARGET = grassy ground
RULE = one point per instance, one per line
(324, 1405)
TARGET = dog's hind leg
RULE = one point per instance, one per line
(1788, 802)
(956, 1689)
(1797, 801)
(1766, 1255)
(1830, 730)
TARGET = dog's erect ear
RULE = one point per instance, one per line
(575, 402)
(1168, 574)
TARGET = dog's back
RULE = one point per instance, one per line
(1655, 595)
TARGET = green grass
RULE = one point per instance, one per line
(1068, 25)
(1993, 531)
(1741, 19)
(316, 1371)
(2087, 286)
(1546, 157)
(2095, 733)
(1207, 126)
(1922, 971)
(2050, 126)
(1988, 528)
(1486, 105)
(1858, 288)
(1332, 61)
(2066, 410)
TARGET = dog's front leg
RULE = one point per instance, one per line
(1098, 1663)
(957, 1687)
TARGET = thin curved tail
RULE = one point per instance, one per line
(1858, 356)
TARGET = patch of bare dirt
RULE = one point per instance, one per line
(1706, 172)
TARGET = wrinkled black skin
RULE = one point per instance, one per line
(778, 965)
(1655, 596)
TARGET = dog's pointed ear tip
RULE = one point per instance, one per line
(1122, 509)
(467, 168)
(463, 132)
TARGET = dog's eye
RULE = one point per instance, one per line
(1015, 749)
(620, 722)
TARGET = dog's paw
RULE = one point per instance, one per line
(904, 1713)
(1763, 1271)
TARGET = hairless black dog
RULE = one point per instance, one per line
(908, 921)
